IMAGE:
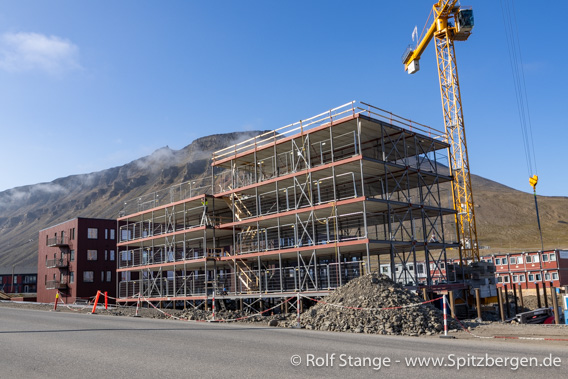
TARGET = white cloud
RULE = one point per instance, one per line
(34, 51)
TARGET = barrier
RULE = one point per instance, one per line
(445, 306)
(96, 302)
(56, 301)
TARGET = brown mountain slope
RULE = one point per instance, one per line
(505, 217)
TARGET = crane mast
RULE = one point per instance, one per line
(452, 23)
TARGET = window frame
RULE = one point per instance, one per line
(92, 233)
(88, 275)
(91, 253)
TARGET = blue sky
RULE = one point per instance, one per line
(87, 86)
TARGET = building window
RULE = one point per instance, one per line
(109, 276)
(513, 260)
(529, 259)
(112, 255)
(106, 234)
(384, 269)
(88, 276)
(520, 260)
(522, 278)
(71, 277)
(102, 276)
(531, 278)
(497, 261)
(112, 234)
(538, 277)
(420, 269)
(72, 255)
(515, 278)
(499, 279)
(91, 255)
(547, 276)
(504, 261)
(554, 276)
(536, 259)
(552, 257)
(72, 233)
(545, 257)
(92, 233)
(505, 279)
(106, 255)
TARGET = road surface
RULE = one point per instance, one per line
(39, 344)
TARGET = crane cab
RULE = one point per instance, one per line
(464, 23)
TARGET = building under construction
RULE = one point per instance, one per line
(304, 208)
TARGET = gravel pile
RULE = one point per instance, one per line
(374, 291)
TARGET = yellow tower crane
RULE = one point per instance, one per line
(452, 23)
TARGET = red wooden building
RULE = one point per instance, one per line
(528, 268)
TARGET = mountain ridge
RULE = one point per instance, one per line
(506, 219)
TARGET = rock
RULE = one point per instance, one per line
(273, 323)
(375, 292)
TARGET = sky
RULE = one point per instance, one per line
(89, 85)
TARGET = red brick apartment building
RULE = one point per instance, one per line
(76, 258)
(528, 268)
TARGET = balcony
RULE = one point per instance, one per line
(57, 263)
(55, 285)
(58, 241)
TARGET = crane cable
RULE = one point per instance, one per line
(516, 62)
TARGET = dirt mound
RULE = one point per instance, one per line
(375, 292)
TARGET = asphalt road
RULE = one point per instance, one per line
(39, 344)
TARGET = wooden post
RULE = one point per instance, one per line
(515, 298)
(545, 295)
(478, 304)
(425, 294)
(538, 295)
(500, 301)
(452, 304)
(521, 296)
(506, 302)
(554, 304)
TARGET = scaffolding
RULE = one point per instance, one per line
(304, 208)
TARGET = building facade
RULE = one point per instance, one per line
(527, 268)
(77, 258)
(306, 207)
(18, 279)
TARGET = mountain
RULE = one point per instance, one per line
(24, 211)
(506, 219)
